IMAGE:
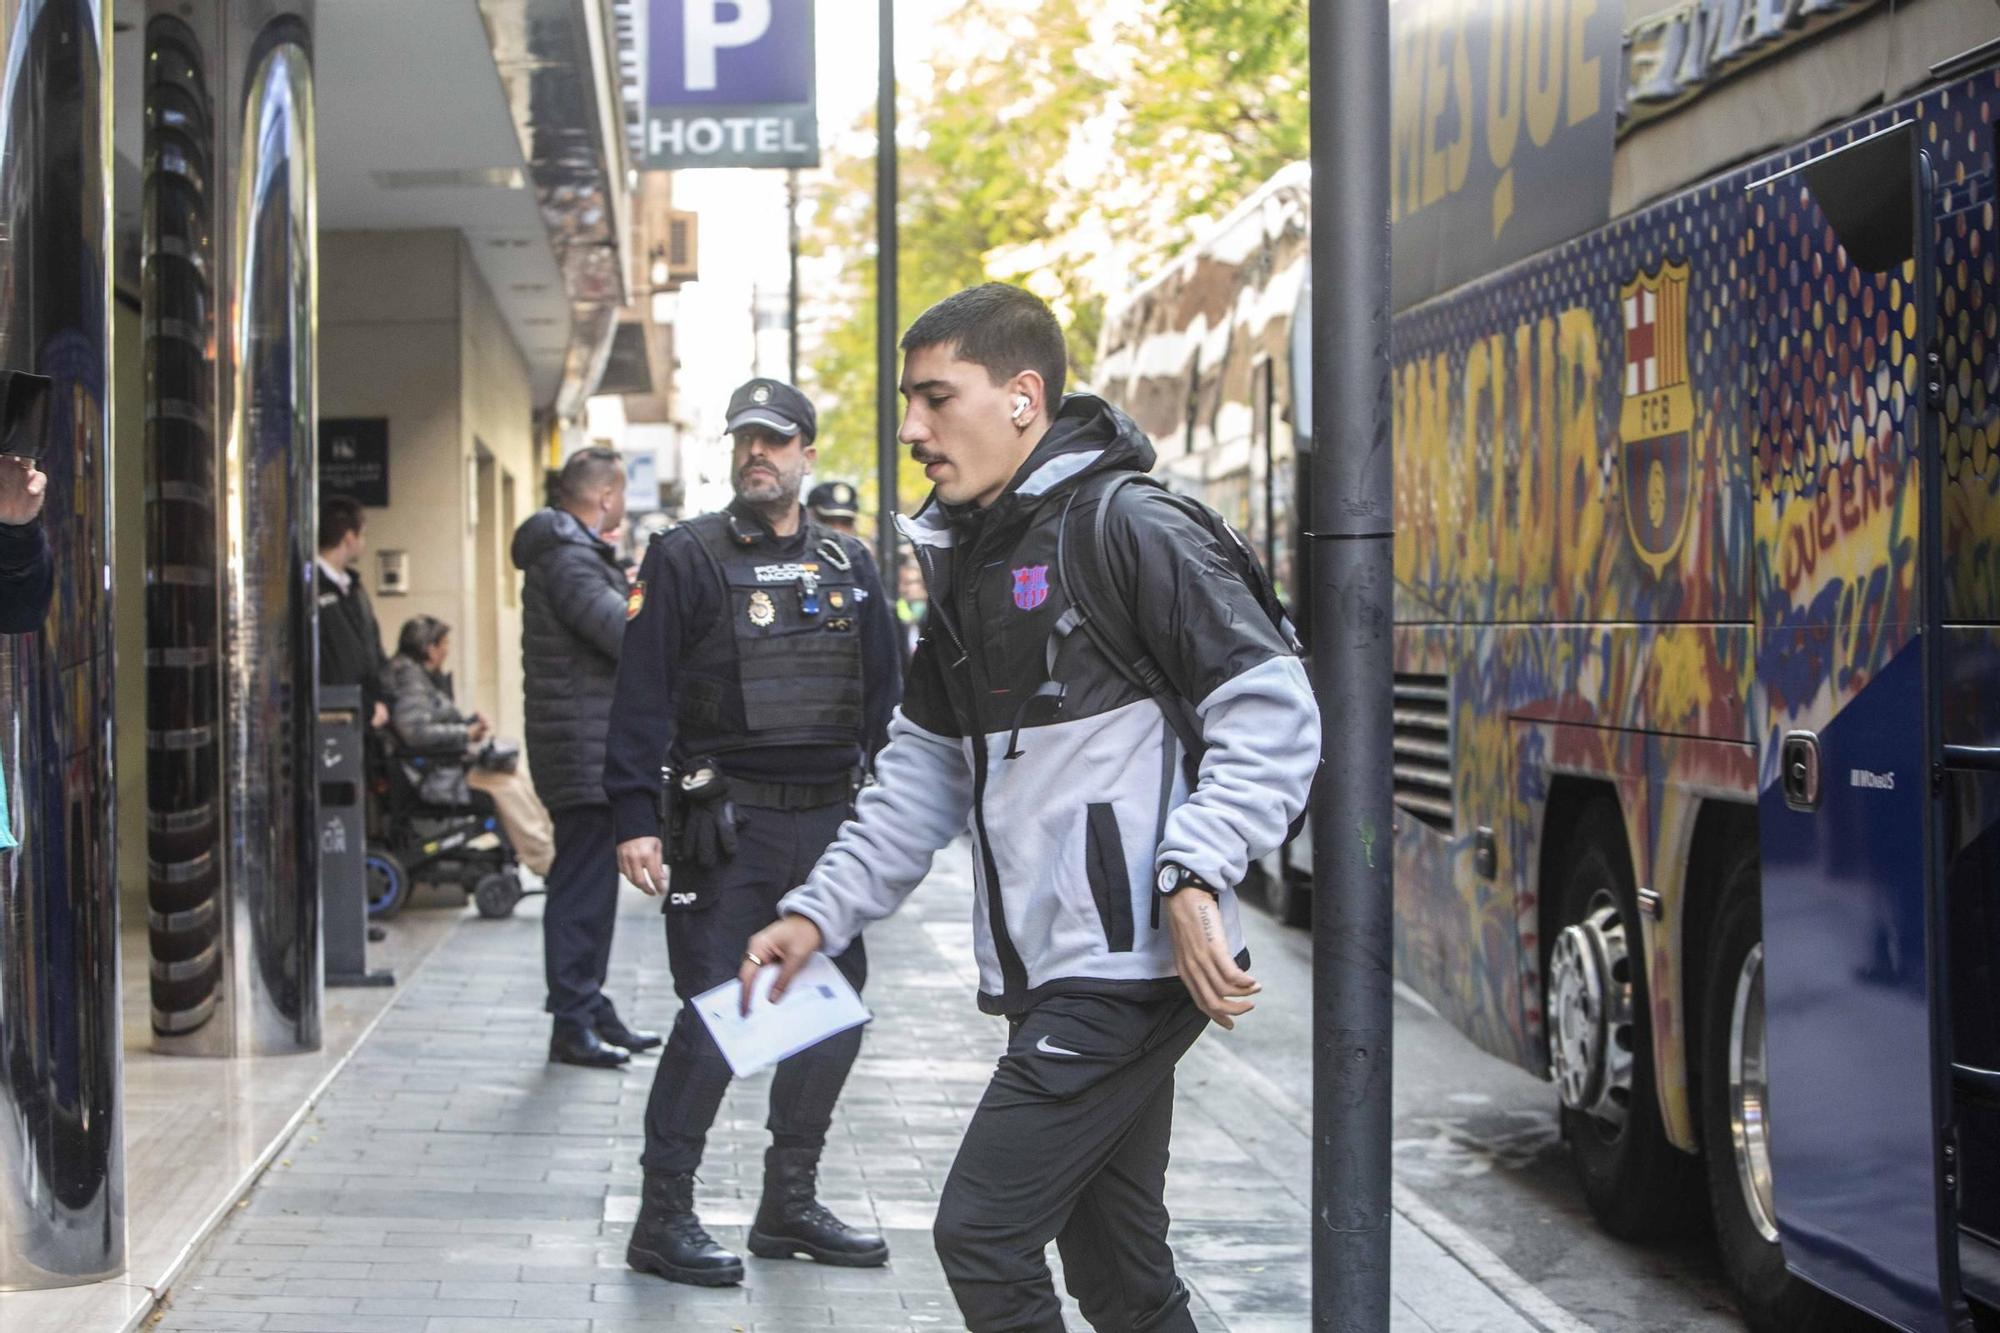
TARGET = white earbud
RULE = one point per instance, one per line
(1020, 407)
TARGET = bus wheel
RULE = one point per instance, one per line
(1735, 1123)
(1638, 1185)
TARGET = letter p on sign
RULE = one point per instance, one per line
(708, 32)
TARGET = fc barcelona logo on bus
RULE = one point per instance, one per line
(1656, 423)
(1031, 586)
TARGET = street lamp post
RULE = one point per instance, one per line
(1352, 664)
(885, 295)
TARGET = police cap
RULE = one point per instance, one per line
(774, 405)
(833, 499)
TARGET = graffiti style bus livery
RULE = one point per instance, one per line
(1698, 676)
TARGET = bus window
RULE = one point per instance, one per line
(1263, 530)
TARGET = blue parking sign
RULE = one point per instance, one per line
(730, 84)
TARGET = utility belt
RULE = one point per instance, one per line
(789, 795)
(699, 819)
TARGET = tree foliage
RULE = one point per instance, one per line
(1061, 144)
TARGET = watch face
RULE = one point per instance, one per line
(1169, 879)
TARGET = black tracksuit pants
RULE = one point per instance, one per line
(579, 913)
(775, 851)
(1070, 1144)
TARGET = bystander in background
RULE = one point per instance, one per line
(350, 641)
(572, 626)
(458, 764)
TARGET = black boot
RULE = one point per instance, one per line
(791, 1221)
(668, 1238)
(570, 1045)
(613, 1030)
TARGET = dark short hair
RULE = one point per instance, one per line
(338, 516)
(1005, 329)
(418, 636)
(585, 470)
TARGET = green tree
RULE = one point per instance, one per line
(1061, 144)
(977, 153)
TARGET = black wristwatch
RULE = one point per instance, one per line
(1173, 878)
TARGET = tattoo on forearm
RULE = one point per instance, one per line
(1204, 915)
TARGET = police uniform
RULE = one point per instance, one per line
(834, 503)
(772, 663)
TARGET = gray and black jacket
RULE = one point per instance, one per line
(1071, 816)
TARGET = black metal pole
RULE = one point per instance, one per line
(1352, 665)
(885, 297)
(792, 290)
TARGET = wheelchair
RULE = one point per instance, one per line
(414, 841)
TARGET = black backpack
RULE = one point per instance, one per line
(1109, 625)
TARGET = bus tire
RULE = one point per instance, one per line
(1734, 1124)
(1637, 1184)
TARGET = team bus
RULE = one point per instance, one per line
(1697, 694)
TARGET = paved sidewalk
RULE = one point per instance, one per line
(452, 1180)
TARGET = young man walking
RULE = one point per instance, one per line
(1105, 916)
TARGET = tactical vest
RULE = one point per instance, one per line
(782, 666)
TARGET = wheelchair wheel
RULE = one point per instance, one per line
(388, 884)
(496, 894)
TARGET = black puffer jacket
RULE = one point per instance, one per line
(572, 623)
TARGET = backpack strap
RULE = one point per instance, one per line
(1108, 622)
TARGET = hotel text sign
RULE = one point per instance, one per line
(730, 84)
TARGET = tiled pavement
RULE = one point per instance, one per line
(451, 1180)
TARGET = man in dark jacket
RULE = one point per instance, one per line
(572, 625)
(350, 642)
(27, 577)
(1106, 926)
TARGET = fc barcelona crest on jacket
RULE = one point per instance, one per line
(1656, 423)
(1031, 586)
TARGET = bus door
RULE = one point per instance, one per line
(1854, 1140)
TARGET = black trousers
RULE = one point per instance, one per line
(578, 917)
(1070, 1144)
(775, 851)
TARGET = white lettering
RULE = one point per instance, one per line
(791, 573)
(681, 899)
(704, 136)
(1861, 777)
(739, 132)
(792, 143)
(664, 136)
(767, 135)
(706, 33)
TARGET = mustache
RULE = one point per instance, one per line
(925, 457)
(748, 468)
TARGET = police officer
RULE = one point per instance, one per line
(761, 666)
(835, 505)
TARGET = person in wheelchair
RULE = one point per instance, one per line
(448, 760)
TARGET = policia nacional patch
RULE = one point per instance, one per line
(635, 601)
(763, 611)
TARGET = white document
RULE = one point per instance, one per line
(818, 1004)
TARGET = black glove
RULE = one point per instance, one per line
(705, 818)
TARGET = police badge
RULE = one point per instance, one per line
(763, 611)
